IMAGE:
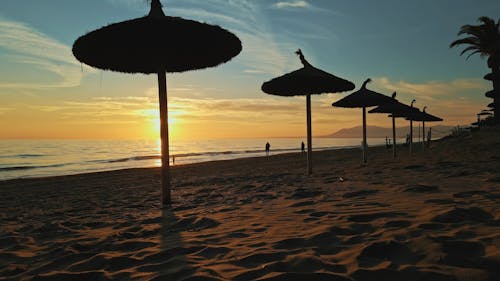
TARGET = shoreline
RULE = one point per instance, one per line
(319, 150)
(433, 216)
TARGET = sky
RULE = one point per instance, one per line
(402, 45)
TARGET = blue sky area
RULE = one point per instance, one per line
(401, 45)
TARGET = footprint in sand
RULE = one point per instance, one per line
(360, 193)
(392, 251)
(422, 188)
(460, 215)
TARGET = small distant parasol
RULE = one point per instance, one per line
(363, 98)
(424, 117)
(395, 109)
(490, 94)
(306, 81)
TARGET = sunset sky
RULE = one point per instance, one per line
(402, 45)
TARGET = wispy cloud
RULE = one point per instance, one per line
(435, 90)
(292, 4)
(27, 46)
(4, 110)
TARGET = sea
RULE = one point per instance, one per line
(42, 158)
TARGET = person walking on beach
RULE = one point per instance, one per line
(268, 148)
(303, 148)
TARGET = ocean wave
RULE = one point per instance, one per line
(19, 168)
(23, 156)
(191, 155)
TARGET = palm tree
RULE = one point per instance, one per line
(484, 39)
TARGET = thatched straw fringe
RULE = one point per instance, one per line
(136, 46)
(306, 81)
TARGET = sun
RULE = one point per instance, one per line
(153, 127)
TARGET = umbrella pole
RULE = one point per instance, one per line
(393, 137)
(309, 138)
(423, 135)
(364, 135)
(411, 137)
(165, 159)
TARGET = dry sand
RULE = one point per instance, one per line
(434, 216)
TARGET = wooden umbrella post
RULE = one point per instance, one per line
(309, 137)
(393, 136)
(411, 136)
(364, 135)
(423, 135)
(165, 159)
(411, 130)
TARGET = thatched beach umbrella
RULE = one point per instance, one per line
(157, 44)
(491, 105)
(490, 94)
(363, 98)
(424, 117)
(485, 112)
(395, 109)
(306, 81)
(408, 116)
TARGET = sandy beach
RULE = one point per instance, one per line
(434, 216)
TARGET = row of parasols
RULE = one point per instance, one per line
(157, 44)
(310, 80)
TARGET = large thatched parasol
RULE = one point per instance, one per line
(395, 109)
(363, 98)
(424, 117)
(306, 81)
(157, 44)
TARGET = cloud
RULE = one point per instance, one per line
(247, 19)
(291, 4)
(27, 46)
(250, 21)
(4, 110)
(431, 89)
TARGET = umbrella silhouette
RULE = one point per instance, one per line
(363, 98)
(485, 112)
(408, 116)
(490, 94)
(491, 105)
(157, 44)
(424, 117)
(306, 81)
(396, 109)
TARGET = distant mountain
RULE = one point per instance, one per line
(382, 132)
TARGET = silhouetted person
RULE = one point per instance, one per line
(387, 144)
(407, 139)
(173, 159)
(303, 148)
(268, 148)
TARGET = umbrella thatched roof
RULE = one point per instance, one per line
(491, 105)
(156, 42)
(490, 94)
(489, 77)
(308, 80)
(484, 113)
(423, 116)
(363, 98)
(395, 107)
